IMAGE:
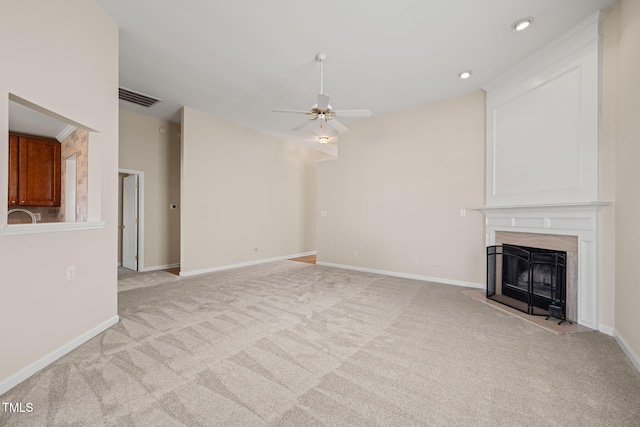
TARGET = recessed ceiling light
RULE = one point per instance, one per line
(465, 74)
(522, 24)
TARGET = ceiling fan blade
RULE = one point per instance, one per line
(291, 111)
(337, 125)
(353, 113)
(323, 102)
(303, 125)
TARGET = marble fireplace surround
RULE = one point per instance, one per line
(548, 226)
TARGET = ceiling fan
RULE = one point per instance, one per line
(322, 111)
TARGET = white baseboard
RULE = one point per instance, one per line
(635, 360)
(606, 330)
(406, 275)
(244, 264)
(16, 378)
(159, 267)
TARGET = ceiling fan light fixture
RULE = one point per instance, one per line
(323, 139)
(522, 24)
(465, 74)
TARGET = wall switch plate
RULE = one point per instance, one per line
(463, 212)
(38, 216)
(71, 272)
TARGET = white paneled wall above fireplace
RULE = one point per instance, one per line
(542, 124)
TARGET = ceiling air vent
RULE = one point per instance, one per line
(136, 97)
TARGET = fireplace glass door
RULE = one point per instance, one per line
(532, 280)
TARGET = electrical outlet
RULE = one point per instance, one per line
(38, 216)
(438, 263)
(71, 272)
(463, 212)
(355, 254)
(415, 260)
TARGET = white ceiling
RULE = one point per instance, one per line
(25, 120)
(239, 59)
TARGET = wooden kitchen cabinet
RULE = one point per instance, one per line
(34, 171)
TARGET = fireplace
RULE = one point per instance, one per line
(572, 228)
(532, 280)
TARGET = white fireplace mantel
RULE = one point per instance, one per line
(570, 219)
(554, 206)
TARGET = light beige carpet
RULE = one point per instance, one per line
(551, 324)
(294, 344)
(129, 279)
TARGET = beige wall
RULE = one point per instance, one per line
(63, 56)
(241, 190)
(396, 190)
(625, 28)
(607, 168)
(144, 148)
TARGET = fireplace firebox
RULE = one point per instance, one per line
(532, 280)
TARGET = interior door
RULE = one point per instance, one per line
(130, 222)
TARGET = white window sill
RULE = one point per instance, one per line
(50, 227)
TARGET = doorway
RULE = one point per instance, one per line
(130, 217)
